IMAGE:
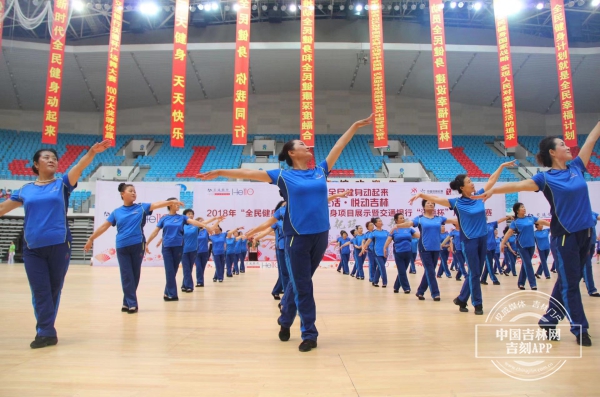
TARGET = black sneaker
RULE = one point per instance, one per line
(437, 299)
(462, 306)
(284, 332)
(458, 279)
(170, 298)
(307, 345)
(479, 310)
(276, 297)
(521, 287)
(396, 291)
(584, 339)
(496, 282)
(547, 328)
(199, 285)
(132, 310)
(534, 288)
(421, 297)
(595, 295)
(242, 271)
(124, 309)
(548, 278)
(375, 285)
(484, 282)
(553, 271)
(214, 280)
(43, 341)
(538, 276)
(407, 292)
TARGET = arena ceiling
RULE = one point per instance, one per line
(145, 74)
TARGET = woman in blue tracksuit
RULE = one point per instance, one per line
(202, 255)
(242, 249)
(471, 217)
(543, 245)
(344, 246)
(47, 238)
(359, 257)
(511, 253)
(402, 238)
(524, 225)
(230, 254)
(414, 247)
(455, 247)
(370, 252)
(566, 190)
(444, 254)
(218, 242)
(378, 237)
(306, 225)
(172, 226)
(130, 241)
(429, 226)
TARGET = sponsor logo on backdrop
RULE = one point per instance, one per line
(226, 191)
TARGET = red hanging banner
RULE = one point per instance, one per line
(378, 100)
(440, 74)
(241, 74)
(307, 73)
(507, 91)
(563, 65)
(109, 129)
(180, 39)
(2, 10)
(55, 69)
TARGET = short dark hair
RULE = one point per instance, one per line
(36, 158)
(284, 155)
(423, 202)
(396, 216)
(543, 157)
(123, 186)
(458, 182)
(188, 210)
(343, 232)
(279, 204)
(367, 224)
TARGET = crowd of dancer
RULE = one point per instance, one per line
(301, 227)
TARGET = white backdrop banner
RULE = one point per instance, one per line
(108, 199)
(249, 204)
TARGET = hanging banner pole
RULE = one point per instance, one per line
(378, 99)
(307, 73)
(563, 66)
(2, 10)
(241, 74)
(507, 86)
(180, 40)
(56, 60)
(440, 74)
(112, 73)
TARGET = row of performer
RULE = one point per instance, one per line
(304, 232)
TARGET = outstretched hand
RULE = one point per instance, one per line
(413, 198)
(508, 164)
(99, 147)
(88, 245)
(365, 122)
(207, 176)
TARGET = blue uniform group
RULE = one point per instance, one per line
(47, 246)
(306, 230)
(458, 254)
(284, 277)
(490, 254)
(571, 229)
(172, 249)
(359, 259)
(429, 249)
(510, 257)
(344, 254)
(473, 238)
(218, 252)
(379, 237)
(190, 251)
(131, 246)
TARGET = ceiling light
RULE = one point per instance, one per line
(148, 8)
(78, 6)
(477, 6)
(359, 7)
(342, 7)
(461, 4)
(413, 7)
(539, 6)
(214, 6)
(422, 6)
(452, 4)
(507, 7)
(366, 8)
(264, 7)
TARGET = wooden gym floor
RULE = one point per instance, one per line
(221, 340)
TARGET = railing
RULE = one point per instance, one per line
(385, 169)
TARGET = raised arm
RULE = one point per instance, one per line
(264, 233)
(452, 221)
(527, 185)
(430, 197)
(86, 160)
(8, 206)
(254, 175)
(586, 150)
(494, 177)
(265, 225)
(543, 222)
(339, 146)
(162, 204)
(504, 219)
(205, 225)
(338, 195)
(104, 227)
(232, 231)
